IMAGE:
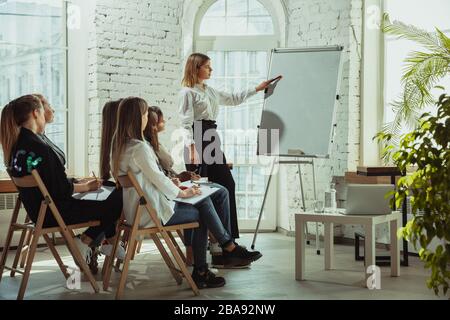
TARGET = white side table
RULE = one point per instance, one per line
(328, 219)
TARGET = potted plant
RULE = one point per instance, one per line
(427, 148)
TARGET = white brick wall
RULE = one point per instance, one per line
(137, 48)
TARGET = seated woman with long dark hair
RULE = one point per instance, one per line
(21, 126)
(130, 152)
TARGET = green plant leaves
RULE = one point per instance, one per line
(428, 149)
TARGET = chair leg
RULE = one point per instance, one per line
(25, 248)
(26, 245)
(4, 257)
(139, 246)
(181, 235)
(180, 263)
(134, 249)
(189, 256)
(126, 264)
(19, 252)
(109, 261)
(79, 259)
(126, 235)
(167, 259)
(9, 237)
(175, 243)
(28, 264)
(56, 255)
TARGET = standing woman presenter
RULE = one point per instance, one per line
(199, 108)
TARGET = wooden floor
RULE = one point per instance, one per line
(271, 277)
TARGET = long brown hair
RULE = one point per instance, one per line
(151, 130)
(14, 115)
(158, 112)
(129, 123)
(109, 123)
(193, 64)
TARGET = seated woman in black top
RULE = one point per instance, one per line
(22, 120)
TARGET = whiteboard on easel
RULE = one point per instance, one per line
(302, 105)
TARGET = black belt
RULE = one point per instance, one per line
(207, 124)
(210, 122)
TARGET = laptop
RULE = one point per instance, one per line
(368, 199)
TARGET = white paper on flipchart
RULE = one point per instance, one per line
(98, 195)
(206, 192)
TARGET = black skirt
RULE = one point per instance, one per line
(213, 164)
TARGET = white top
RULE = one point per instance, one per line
(140, 158)
(203, 104)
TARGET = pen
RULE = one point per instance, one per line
(94, 175)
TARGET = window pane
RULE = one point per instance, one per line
(260, 25)
(237, 8)
(236, 26)
(32, 23)
(33, 57)
(256, 9)
(241, 17)
(213, 26)
(218, 63)
(217, 9)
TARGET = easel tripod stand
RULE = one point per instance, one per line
(309, 160)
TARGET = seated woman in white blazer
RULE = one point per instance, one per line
(130, 151)
(220, 199)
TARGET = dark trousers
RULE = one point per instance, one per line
(75, 211)
(216, 172)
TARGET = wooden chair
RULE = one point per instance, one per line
(35, 231)
(134, 231)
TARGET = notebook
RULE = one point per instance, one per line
(206, 192)
(98, 195)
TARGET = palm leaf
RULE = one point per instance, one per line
(445, 41)
(427, 66)
(421, 73)
(410, 32)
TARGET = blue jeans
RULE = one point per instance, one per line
(206, 215)
(221, 202)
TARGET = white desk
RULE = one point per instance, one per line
(369, 222)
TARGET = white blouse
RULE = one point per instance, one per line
(140, 158)
(203, 104)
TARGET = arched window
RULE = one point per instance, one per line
(238, 35)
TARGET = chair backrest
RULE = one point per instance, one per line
(125, 182)
(32, 181)
(24, 182)
(129, 181)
